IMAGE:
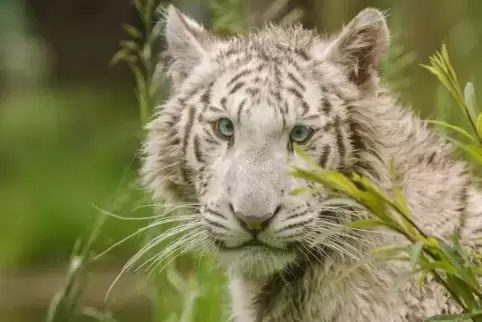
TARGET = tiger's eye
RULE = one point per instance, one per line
(224, 128)
(300, 133)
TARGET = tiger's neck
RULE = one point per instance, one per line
(281, 295)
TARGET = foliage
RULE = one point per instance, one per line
(237, 17)
(137, 52)
(447, 261)
(465, 99)
(65, 304)
(231, 17)
(398, 58)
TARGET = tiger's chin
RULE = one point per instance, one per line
(256, 262)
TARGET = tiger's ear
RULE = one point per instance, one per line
(187, 43)
(360, 46)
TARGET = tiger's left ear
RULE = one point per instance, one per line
(360, 46)
(187, 43)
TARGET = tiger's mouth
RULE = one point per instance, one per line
(254, 244)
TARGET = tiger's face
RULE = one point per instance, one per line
(242, 146)
(224, 140)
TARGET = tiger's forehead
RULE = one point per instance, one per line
(256, 79)
(282, 88)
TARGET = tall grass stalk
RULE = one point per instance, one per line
(137, 52)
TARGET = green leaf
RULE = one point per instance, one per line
(474, 151)
(129, 44)
(303, 155)
(452, 127)
(132, 31)
(146, 53)
(441, 265)
(470, 103)
(463, 292)
(415, 253)
(391, 249)
(123, 54)
(454, 317)
(459, 262)
(479, 125)
(402, 207)
(367, 223)
(391, 167)
(298, 191)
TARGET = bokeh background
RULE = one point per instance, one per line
(70, 128)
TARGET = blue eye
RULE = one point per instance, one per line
(224, 128)
(300, 133)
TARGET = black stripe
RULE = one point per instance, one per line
(213, 223)
(238, 76)
(462, 209)
(325, 154)
(328, 126)
(230, 52)
(305, 108)
(294, 63)
(224, 104)
(206, 96)
(296, 215)
(356, 140)
(295, 225)
(203, 181)
(185, 141)
(236, 87)
(295, 92)
(203, 189)
(285, 107)
(197, 150)
(302, 53)
(360, 145)
(276, 93)
(213, 212)
(174, 140)
(326, 106)
(215, 109)
(311, 145)
(431, 158)
(206, 100)
(252, 91)
(210, 136)
(240, 110)
(188, 127)
(339, 141)
(299, 52)
(298, 83)
(277, 76)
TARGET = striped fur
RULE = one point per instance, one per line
(266, 83)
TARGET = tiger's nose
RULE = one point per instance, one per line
(255, 223)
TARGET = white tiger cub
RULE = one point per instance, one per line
(224, 140)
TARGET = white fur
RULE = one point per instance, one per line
(294, 76)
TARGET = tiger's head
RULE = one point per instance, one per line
(224, 138)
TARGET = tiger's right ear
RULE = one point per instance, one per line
(187, 43)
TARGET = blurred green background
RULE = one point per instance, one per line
(70, 130)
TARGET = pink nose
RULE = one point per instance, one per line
(256, 223)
